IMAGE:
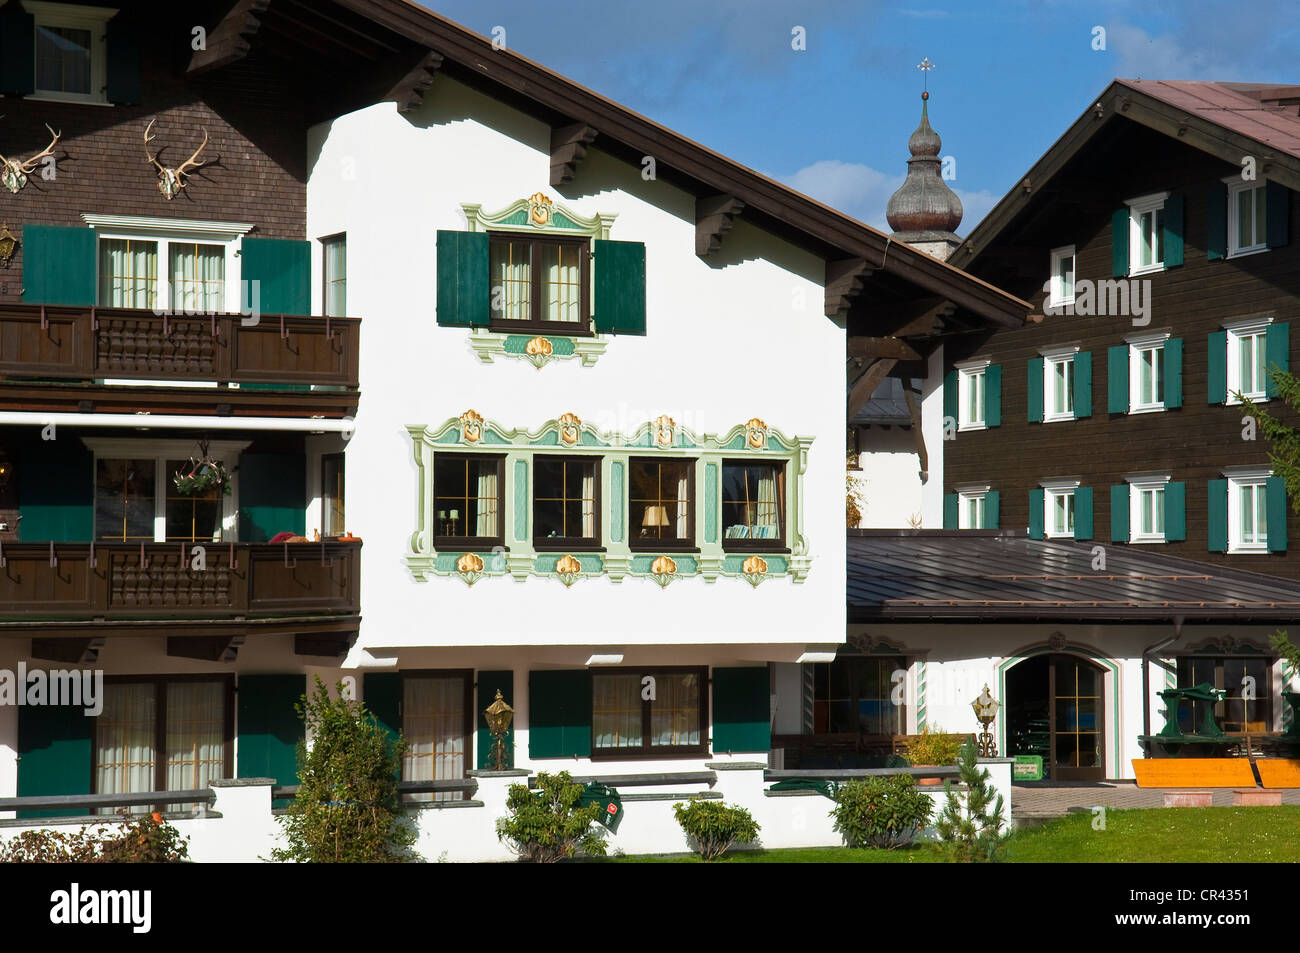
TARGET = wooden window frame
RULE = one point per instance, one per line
(648, 752)
(570, 543)
(325, 459)
(1258, 481)
(659, 545)
(1236, 185)
(1136, 348)
(463, 543)
(745, 544)
(325, 242)
(579, 328)
(965, 497)
(1056, 297)
(73, 17)
(1138, 207)
(1263, 695)
(965, 372)
(471, 725)
(1234, 339)
(1051, 360)
(1051, 491)
(900, 660)
(1135, 488)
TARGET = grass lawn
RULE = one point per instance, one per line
(1172, 835)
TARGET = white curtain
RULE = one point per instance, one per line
(124, 741)
(336, 277)
(128, 273)
(766, 516)
(616, 710)
(195, 734)
(511, 282)
(675, 712)
(683, 507)
(589, 502)
(198, 278)
(563, 282)
(433, 724)
(487, 502)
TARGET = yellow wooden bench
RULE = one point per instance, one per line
(1193, 773)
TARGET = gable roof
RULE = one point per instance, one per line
(1227, 120)
(992, 575)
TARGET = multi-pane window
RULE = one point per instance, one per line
(1248, 686)
(970, 397)
(661, 507)
(198, 278)
(566, 502)
(333, 472)
(1247, 367)
(468, 498)
(753, 504)
(1248, 514)
(1059, 518)
(542, 283)
(1061, 289)
(128, 273)
(335, 250)
(1058, 384)
(1247, 216)
(63, 59)
(647, 712)
(1147, 518)
(860, 695)
(124, 499)
(971, 508)
(1146, 233)
(191, 280)
(195, 517)
(436, 724)
(1146, 362)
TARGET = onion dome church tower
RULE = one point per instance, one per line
(924, 212)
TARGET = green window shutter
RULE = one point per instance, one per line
(1216, 222)
(1034, 390)
(1217, 528)
(559, 714)
(381, 693)
(56, 494)
(950, 395)
(1119, 237)
(123, 60)
(17, 50)
(1083, 384)
(269, 728)
(1276, 512)
(54, 753)
(282, 269)
(992, 509)
(1117, 379)
(993, 395)
(1175, 512)
(58, 265)
(950, 520)
(1173, 230)
(1119, 513)
(1216, 378)
(1083, 512)
(620, 287)
(1172, 358)
(1037, 500)
(1277, 214)
(742, 709)
(1277, 352)
(464, 279)
(488, 683)
(272, 495)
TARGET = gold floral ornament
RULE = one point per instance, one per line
(539, 209)
(756, 434)
(471, 426)
(664, 428)
(538, 351)
(663, 570)
(570, 429)
(470, 568)
(568, 569)
(754, 569)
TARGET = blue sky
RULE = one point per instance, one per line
(833, 120)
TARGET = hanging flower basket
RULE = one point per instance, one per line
(202, 476)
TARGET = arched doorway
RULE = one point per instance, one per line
(1056, 709)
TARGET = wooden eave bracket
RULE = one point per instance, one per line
(714, 217)
(568, 149)
(79, 651)
(844, 282)
(861, 392)
(231, 39)
(332, 645)
(410, 89)
(873, 347)
(207, 648)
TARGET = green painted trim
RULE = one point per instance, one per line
(920, 696)
(616, 501)
(712, 505)
(521, 500)
(489, 345)
(516, 214)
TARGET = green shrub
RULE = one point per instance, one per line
(146, 840)
(934, 746)
(883, 812)
(712, 827)
(547, 825)
(969, 830)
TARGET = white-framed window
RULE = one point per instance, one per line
(71, 55)
(1146, 215)
(1062, 282)
(1058, 509)
(1147, 509)
(971, 391)
(1248, 360)
(1146, 356)
(972, 509)
(1248, 511)
(1247, 216)
(1058, 384)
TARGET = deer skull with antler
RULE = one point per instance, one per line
(171, 181)
(14, 172)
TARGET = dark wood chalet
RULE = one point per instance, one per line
(1160, 239)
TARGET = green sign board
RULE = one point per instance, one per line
(1028, 767)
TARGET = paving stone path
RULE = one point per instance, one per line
(1035, 800)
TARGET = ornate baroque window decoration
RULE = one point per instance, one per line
(569, 501)
(539, 215)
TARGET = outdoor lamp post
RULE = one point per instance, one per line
(986, 709)
(499, 715)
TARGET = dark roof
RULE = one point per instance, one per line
(887, 405)
(1266, 114)
(991, 575)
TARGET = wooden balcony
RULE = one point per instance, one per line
(55, 358)
(84, 589)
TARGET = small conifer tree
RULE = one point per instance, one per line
(970, 831)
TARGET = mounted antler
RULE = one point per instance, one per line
(14, 172)
(171, 181)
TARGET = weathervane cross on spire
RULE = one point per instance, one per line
(925, 66)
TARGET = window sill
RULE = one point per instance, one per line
(683, 548)
(1148, 541)
(1058, 535)
(642, 754)
(447, 544)
(1154, 409)
(71, 100)
(1246, 252)
(568, 329)
(963, 428)
(1253, 398)
(1063, 303)
(1146, 270)
(1248, 550)
(1057, 418)
(569, 546)
(777, 546)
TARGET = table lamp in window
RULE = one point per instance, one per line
(655, 518)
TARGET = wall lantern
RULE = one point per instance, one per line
(498, 716)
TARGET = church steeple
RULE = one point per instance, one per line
(924, 211)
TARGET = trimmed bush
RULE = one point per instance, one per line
(145, 840)
(547, 825)
(882, 812)
(713, 827)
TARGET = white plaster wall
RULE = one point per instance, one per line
(740, 337)
(890, 479)
(932, 429)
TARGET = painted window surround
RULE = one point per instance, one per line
(1137, 208)
(538, 213)
(569, 435)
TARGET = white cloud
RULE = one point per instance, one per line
(1139, 54)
